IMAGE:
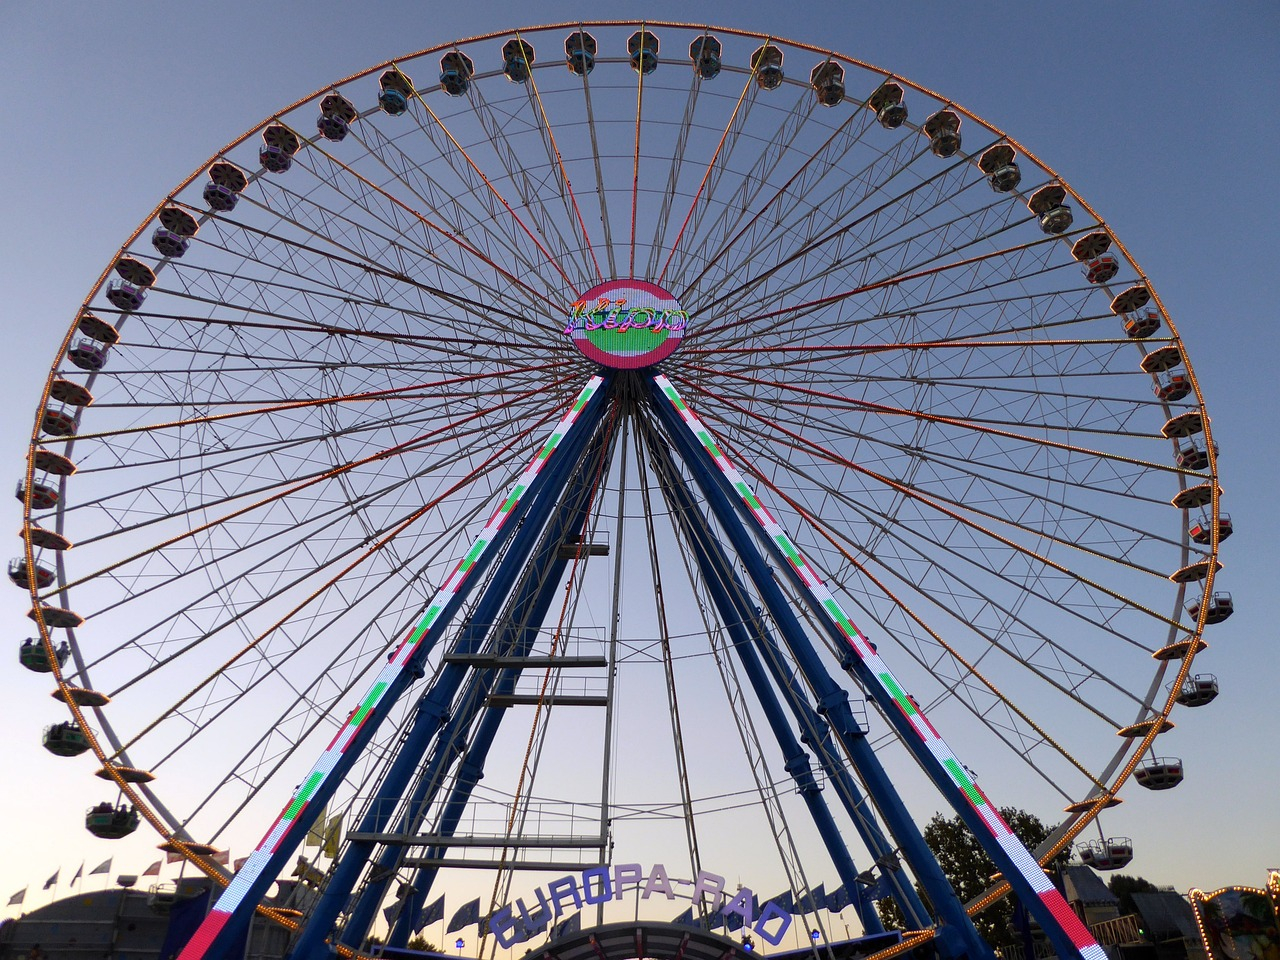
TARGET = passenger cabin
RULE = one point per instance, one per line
(336, 116)
(65, 739)
(827, 80)
(1109, 854)
(886, 103)
(47, 539)
(396, 88)
(642, 47)
(60, 420)
(32, 655)
(43, 496)
(517, 60)
(767, 64)
(705, 54)
(82, 696)
(456, 71)
(1048, 204)
(1220, 607)
(88, 355)
(1131, 300)
(1194, 455)
(71, 393)
(173, 236)
(168, 243)
(1172, 386)
(188, 847)
(98, 329)
(943, 131)
(125, 296)
(54, 463)
(1201, 529)
(1141, 323)
(56, 617)
(1198, 690)
(279, 144)
(226, 183)
(19, 574)
(127, 774)
(57, 421)
(1161, 773)
(1198, 496)
(1194, 572)
(1000, 167)
(1091, 246)
(1101, 269)
(1161, 359)
(111, 822)
(1183, 425)
(580, 52)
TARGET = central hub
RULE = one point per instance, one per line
(626, 324)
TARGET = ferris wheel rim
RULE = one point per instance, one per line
(1212, 476)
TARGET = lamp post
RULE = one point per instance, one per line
(460, 943)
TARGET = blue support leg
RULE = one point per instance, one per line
(436, 706)
(747, 632)
(1068, 935)
(956, 937)
(513, 636)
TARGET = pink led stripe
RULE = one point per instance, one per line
(1026, 864)
(233, 896)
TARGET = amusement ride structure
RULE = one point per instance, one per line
(491, 454)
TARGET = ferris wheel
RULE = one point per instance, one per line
(522, 426)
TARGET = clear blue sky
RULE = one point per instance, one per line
(1163, 116)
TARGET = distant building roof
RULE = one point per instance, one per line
(1165, 915)
(1085, 886)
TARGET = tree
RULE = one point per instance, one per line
(422, 943)
(1125, 886)
(969, 869)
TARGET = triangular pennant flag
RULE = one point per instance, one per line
(153, 870)
(52, 880)
(685, 919)
(79, 871)
(103, 867)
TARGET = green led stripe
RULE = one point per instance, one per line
(897, 692)
(839, 616)
(510, 502)
(962, 778)
(303, 795)
(748, 495)
(473, 555)
(709, 443)
(374, 695)
(433, 611)
(789, 549)
(550, 446)
(582, 400)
